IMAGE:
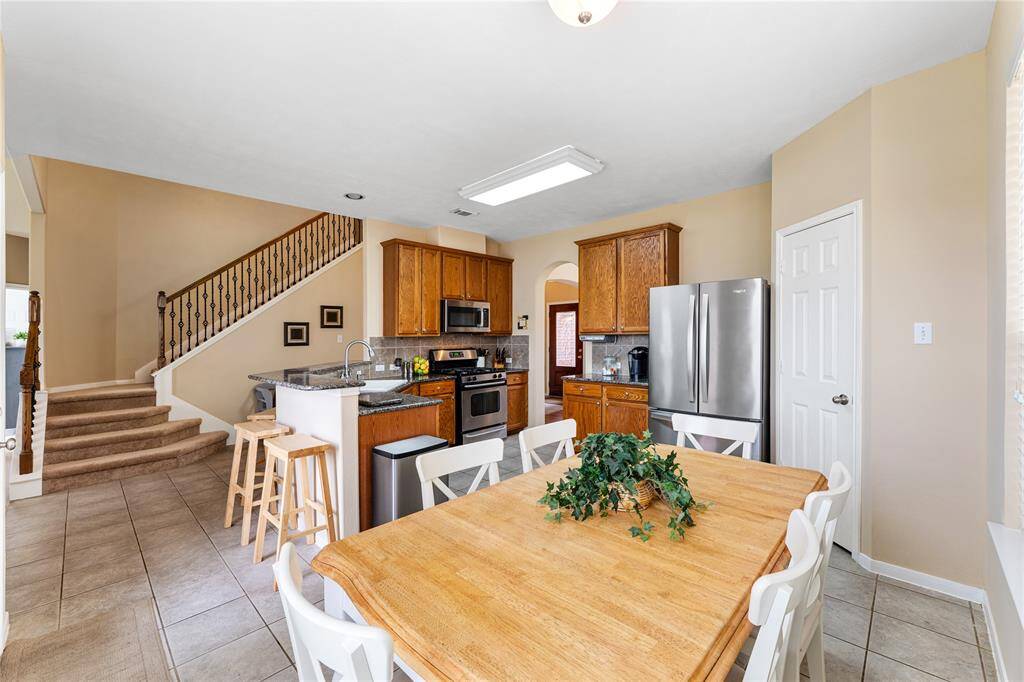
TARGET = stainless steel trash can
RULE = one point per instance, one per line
(396, 485)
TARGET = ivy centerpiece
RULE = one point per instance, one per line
(617, 472)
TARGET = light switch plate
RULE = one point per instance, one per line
(922, 333)
(341, 338)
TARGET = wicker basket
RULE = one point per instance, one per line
(645, 494)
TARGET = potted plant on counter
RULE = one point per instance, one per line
(620, 472)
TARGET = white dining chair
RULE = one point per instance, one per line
(431, 466)
(561, 432)
(352, 651)
(776, 607)
(689, 426)
(823, 508)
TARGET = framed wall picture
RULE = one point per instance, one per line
(296, 333)
(332, 317)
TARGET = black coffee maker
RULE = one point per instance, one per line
(638, 364)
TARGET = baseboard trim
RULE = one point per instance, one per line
(993, 637)
(29, 485)
(95, 384)
(931, 582)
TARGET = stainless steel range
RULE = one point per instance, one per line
(481, 394)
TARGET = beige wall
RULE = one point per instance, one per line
(724, 236)
(913, 149)
(556, 291)
(216, 379)
(116, 239)
(17, 260)
(17, 214)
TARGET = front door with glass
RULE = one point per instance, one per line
(565, 350)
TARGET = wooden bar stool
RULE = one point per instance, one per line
(251, 433)
(265, 415)
(290, 451)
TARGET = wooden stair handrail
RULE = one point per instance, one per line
(248, 254)
(210, 304)
(29, 378)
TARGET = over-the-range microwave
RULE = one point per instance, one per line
(465, 316)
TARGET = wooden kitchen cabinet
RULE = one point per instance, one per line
(445, 390)
(617, 272)
(476, 278)
(599, 408)
(518, 401)
(453, 276)
(417, 276)
(499, 294)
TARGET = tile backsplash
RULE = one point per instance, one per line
(388, 348)
(618, 348)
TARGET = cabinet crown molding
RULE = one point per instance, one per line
(615, 235)
(444, 249)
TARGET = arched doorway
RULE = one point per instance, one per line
(563, 351)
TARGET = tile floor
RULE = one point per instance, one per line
(161, 537)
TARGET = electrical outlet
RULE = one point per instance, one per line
(341, 338)
(922, 333)
(378, 368)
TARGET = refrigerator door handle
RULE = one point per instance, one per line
(691, 352)
(705, 304)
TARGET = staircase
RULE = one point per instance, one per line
(104, 434)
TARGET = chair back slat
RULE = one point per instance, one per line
(824, 509)
(776, 606)
(355, 652)
(431, 466)
(561, 432)
(689, 426)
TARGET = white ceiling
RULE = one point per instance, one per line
(406, 103)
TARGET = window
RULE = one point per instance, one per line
(1014, 497)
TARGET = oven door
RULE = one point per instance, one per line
(466, 316)
(482, 406)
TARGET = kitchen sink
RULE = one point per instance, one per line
(378, 385)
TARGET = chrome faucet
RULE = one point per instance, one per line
(349, 347)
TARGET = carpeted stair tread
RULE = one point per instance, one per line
(100, 399)
(103, 393)
(65, 420)
(110, 437)
(126, 459)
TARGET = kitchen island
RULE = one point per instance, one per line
(322, 402)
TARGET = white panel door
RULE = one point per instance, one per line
(816, 355)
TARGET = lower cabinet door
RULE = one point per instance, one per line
(517, 404)
(586, 412)
(625, 417)
(446, 418)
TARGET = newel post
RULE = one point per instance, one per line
(161, 306)
(29, 379)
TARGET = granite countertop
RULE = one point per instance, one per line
(602, 379)
(408, 402)
(329, 376)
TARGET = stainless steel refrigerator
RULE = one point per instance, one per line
(709, 355)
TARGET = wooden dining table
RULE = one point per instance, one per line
(483, 587)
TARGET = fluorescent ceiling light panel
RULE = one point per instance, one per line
(550, 170)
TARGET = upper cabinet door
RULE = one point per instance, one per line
(409, 302)
(598, 288)
(641, 266)
(499, 294)
(476, 279)
(453, 276)
(431, 293)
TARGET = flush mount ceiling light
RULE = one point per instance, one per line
(550, 170)
(354, 196)
(581, 13)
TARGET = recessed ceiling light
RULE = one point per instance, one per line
(354, 196)
(550, 170)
